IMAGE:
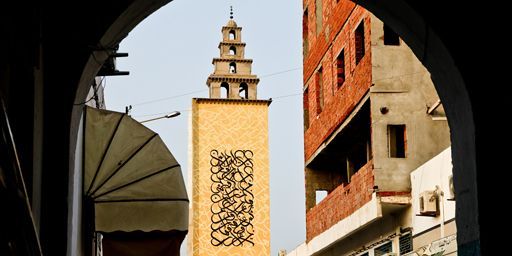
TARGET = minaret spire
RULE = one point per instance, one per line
(231, 12)
(232, 77)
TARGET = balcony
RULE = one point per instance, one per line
(341, 202)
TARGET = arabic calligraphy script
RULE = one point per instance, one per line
(232, 198)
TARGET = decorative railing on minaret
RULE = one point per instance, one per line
(232, 78)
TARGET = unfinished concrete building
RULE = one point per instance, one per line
(371, 117)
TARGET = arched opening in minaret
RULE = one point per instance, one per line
(243, 91)
(224, 90)
(232, 68)
(232, 50)
(232, 35)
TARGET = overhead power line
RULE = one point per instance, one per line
(186, 110)
(280, 72)
(193, 92)
(167, 98)
(273, 98)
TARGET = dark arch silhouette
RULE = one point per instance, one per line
(417, 23)
(45, 123)
(232, 50)
(232, 35)
(418, 29)
(224, 90)
(244, 90)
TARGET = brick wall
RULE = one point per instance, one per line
(339, 23)
(341, 202)
(319, 179)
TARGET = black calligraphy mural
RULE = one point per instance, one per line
(232, 198)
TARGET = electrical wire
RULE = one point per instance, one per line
(280, 72)
(104, 83)
(286, 96)
(167, 98)
(77, 104)
(193, 92)
(95, 94)
(101, 48)
(273, 98)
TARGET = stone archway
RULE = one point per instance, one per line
(114, 33)
(430, 50)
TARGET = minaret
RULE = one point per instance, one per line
(229, 167)
(232, 71)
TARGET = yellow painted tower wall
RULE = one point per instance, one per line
(230, 208)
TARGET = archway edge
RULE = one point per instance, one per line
(134, 13)
(429, 49)
(450, 86)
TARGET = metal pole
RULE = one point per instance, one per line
(153, 119)
(170, 115)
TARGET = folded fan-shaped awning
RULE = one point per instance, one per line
(130, 176)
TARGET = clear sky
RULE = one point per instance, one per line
(170, 56)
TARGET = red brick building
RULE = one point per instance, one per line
(371, 117)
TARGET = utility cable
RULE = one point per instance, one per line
(280, 72)
(185, 110)
(95, 94)
(167, 98)
(193, 92)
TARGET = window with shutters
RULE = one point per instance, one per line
(383, 249)
(359, 42)
(405, 242)
(340, 68)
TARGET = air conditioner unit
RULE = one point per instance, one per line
(428, 203)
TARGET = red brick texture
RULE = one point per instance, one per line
(339, 23)
(341, 202)
(393, 193)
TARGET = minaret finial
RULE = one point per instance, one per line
(231, 12)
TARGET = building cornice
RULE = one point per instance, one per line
(231, 43)
(232, 79)
(231, 60)
(231, 27)
(233, 101)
